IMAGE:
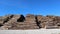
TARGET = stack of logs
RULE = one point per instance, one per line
(20, 22)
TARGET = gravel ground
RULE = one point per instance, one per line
(41, 31)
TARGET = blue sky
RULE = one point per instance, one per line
(37, 7)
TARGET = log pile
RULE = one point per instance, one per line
(21, 22)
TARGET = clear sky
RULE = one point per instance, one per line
(43, 7)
